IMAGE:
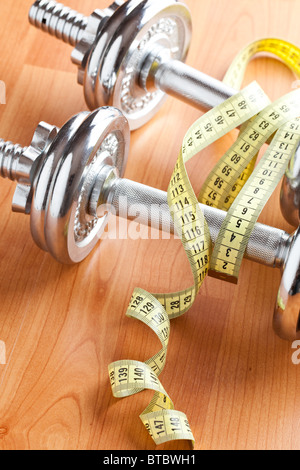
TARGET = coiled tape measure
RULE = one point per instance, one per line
(233, 184)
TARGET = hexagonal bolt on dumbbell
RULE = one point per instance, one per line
(19, 164)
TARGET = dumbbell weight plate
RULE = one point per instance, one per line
(44, 175)
(103, 138)
(113, 65)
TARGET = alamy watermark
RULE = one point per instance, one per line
(2, 92)
(2, 353)
(296, 354)
(157, 219)
(296, 84)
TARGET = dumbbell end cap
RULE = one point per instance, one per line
(286, 321)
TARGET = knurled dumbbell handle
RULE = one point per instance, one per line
(148, 206)
(190, 85)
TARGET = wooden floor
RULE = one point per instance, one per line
(62, 326)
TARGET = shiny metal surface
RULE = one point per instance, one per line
(17, 163)
(267, 245)
(148, 206)
(102, 139)
(120, 50)
(196, 88)
(77, 170)
(58, 20)
(130, 54)
(62, 167)
(9, 159)
(290, 191)
(112, 45)
(286, 321)
(43, 179)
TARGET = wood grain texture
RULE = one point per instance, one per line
(62, 326)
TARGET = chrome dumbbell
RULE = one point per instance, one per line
(67, 176)
(290, 192)
(130, 54)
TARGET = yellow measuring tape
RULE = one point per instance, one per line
(218, 185)
(287, 52)
(290, 56)
(128, 377)
(243, 214)
(160, 418)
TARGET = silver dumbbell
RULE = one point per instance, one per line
(130, 54)
(67, 176)
(290, 192)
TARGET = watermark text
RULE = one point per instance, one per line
(2, 353)
(296, 354)
(2, 92)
